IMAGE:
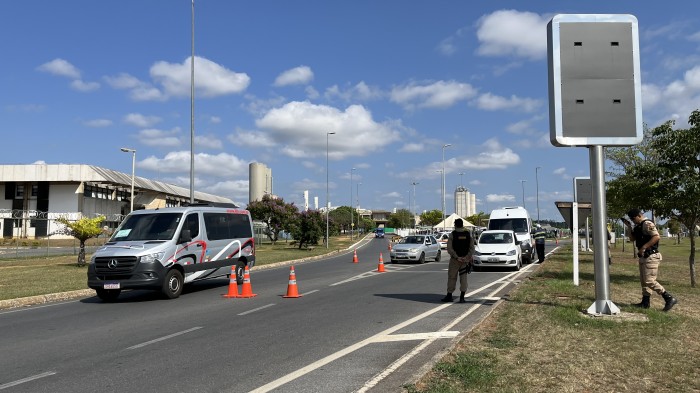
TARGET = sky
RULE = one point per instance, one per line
(395, 81)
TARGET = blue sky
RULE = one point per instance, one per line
(395, 80)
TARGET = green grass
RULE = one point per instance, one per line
(45, 275)
(565, 350)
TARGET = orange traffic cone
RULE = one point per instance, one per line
(232, 285)
(380, 267)
(354, 257)
(292, 290)
(247, 290)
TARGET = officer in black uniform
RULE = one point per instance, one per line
(460, 247)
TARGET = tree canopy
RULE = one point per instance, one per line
(83, 229)
(274, 213)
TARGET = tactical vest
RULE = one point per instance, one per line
(461, 242)
(640, 238)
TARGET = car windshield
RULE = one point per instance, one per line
(414, 239)
(158, 226)
(509, 224)
(495, 238)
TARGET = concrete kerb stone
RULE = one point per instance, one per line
(61, 296)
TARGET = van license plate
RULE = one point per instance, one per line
(111, 285)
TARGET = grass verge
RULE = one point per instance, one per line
(45, 275)
(541, 340)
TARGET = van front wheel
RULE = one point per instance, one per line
(172, 286)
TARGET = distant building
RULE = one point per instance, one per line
(259, 181)
(465, 202)
(35, 195)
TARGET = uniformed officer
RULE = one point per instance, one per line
(460, 247)
(540, 237)
(646, 238)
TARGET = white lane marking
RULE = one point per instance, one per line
(334, 356)
(257, 309)
(415, 336)
(308, 293)
(164, 337)
(371, 273)
(28, 379)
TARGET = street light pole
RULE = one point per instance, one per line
(358, 208)
(133, 171)
(192, 114)
(537, 189)
(352, 222)
(522, 183)
(443, 183)
(327, 203)
(414, 203)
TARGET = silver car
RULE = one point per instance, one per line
(416, 248)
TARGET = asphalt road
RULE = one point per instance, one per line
(352, 330)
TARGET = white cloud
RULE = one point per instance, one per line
(98, 123)
(83, 86)
(312, 93)
(675, 101)
(208, 142)
(301, 75)
(237, 190)
(525, 127)
(214, 120)
(441, 94)
(138, 90)
(211, 79)
(251, 139)
(513, 33)
(491, 102)
(123, 81)
(559, 171)
(500, 198)
(139, 120)
(160, 138)
(301, 128)
(259, 107)
(60, 67)
(412, 148)
(221, 165)
(392, 194)
(359, 92)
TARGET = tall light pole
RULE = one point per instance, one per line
(522, 183)
(133, 171)
(358, 206)
(537, 189)
(443, 183)
(414, 203)
(192, 114)
(352, 222)
(327, 203)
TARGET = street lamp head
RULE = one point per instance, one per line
(127, 150)
(446, 145)
(330, 133)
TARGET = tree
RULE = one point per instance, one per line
(341, 218)
(431, 218)
(401, 219)
(83, 229)
(309, 227)
(479, 219)
(274, 213)
(677, 177)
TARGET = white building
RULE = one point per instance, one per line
(465, 202)
(259, 181)
(35, 195)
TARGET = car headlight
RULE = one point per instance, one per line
(412, 250)
(155, 257)
(477, 253)
(511, 253)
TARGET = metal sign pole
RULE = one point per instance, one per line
(603, 304)
(574, 236)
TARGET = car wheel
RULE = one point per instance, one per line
(438, 256)
(422, 258)
(108, 295)
(172, 286)
(518, 264)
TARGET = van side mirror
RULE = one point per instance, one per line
(185, 236)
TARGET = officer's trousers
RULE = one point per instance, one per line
(648, 270)
(455, 269)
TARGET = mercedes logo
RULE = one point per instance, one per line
(112, 264)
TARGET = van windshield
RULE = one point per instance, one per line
(518, 225)
(158, 226)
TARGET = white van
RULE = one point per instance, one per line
(515, 219)
(163, 249)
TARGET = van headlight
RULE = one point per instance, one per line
(155, 257)
(525, 243)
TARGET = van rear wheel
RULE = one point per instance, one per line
(108, 295)
(172, 286)
(240, 272)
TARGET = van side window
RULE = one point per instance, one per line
(192, 223)
(227, 226)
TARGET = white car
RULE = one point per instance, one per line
(416, 248)
(442, 239)
(498, 248)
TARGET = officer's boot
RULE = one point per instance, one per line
(448, 297)
(461, 297)
(670, 301)
(646, 302)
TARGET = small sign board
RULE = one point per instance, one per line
(583, 190)
(595, 89)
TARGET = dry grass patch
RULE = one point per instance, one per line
(541, 339)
